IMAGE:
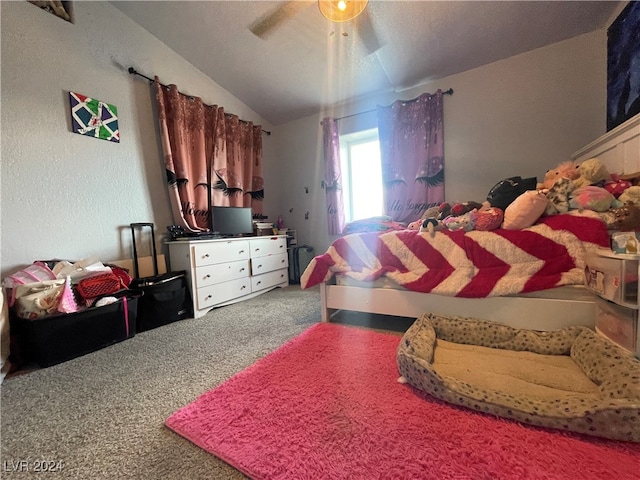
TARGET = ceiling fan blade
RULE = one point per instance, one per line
(267, 24)
(367, 33)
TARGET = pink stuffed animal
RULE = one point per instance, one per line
(566, 169)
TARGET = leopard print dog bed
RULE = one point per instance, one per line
(571, 379)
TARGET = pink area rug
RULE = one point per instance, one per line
(327, 405)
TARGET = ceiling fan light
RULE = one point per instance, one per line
(341, 10)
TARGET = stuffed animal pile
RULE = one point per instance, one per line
(569, 186)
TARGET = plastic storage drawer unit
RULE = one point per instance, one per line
(619, 324)
(613, 276)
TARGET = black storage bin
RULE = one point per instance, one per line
(58, 338)
(165, 300)
(165, 296)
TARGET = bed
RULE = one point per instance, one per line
(543, 294)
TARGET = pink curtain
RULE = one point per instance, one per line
(211, 158)
(412, 155)
(332, 176)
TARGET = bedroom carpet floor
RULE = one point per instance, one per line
(101, 416)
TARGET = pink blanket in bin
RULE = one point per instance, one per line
(467, 264)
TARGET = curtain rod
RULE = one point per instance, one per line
(133, 71)
(446, 92)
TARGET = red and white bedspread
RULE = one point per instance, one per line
(467, 264)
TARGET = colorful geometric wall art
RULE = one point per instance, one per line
(94, 118)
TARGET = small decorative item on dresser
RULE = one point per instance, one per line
(265, 228)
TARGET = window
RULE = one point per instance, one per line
(361, 175)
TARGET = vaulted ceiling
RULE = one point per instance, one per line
(306, 61)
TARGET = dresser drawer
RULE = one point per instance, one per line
(222, 292)
(267, 280)
(221, 272)
(262, 246)
(262, 265)
(221, 251)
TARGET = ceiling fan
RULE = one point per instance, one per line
(337, 11)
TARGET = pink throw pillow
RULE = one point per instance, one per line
(525, 210)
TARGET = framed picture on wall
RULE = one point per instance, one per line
(623, 66)
(94, 118)
(59, 8)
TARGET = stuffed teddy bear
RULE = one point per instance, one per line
(593, 198)
(626, 218)
(455, 216)
(431, 212)
(459, 222)
(431, 225)
(631, 195)
(456, 209)
(415, 225)
(558, 196)
(592, 171)
(486, 218)
(566, 169)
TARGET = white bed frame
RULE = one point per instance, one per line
(619, 149)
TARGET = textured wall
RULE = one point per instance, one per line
(65, 195)
(68, 196)
(518, 116)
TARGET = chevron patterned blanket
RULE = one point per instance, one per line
(467, 264)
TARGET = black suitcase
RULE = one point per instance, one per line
(165, 297)
(301, 256)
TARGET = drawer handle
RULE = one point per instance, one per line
(281, 246)
(281, 275)
(257, 249)
(207, 276)
(241, 251)
(207, 297)
(259, 282)
(282, 261)
(259, 266)
(242, 269)
(206, 255)
(243, 287)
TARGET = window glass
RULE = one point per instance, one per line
(362, 175)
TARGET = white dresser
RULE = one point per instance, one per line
(225, 271)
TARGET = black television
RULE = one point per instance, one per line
(231, 221)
